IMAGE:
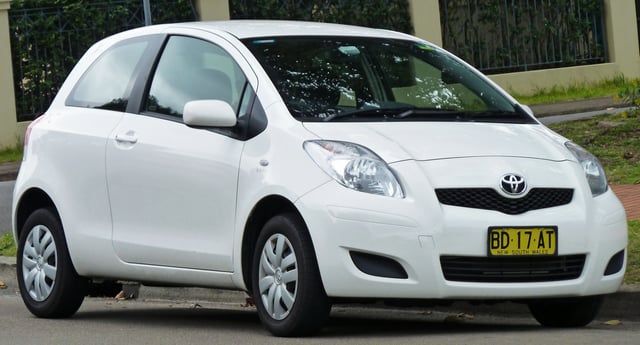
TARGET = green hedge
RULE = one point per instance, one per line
(386, 14)
(498, 36)
(49, 36)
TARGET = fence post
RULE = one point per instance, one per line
(213, 10)
(9, 128)
(425, 15)
(622, 36)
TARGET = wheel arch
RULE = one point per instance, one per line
(31, 200)
(264, 210)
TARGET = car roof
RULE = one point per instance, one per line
(274, 28)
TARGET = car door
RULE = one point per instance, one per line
(79, 132)
(173, 187)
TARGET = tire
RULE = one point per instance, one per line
(49, 285)
(289, 294)
(566, 312)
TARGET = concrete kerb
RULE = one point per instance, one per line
(9, 171)
(623, 305)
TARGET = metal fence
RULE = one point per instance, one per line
(47, 42)
(387, 14)
(499, 36)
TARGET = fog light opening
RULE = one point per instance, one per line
(615, 264)
(378, 266)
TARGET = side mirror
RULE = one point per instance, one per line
(209, 113)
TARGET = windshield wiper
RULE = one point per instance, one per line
(433, 114)
(437, 113)
(367, 112)
(470, 116)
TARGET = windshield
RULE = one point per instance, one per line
(374, 79)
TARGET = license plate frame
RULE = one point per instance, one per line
(522, 241)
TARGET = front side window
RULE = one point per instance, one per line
(372, 79)
(193, 69)
(107, 82)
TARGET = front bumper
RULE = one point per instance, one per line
(417, 230)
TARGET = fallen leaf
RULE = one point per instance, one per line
(461, 317)
(466, 316)
(3, 285)
(613, 322)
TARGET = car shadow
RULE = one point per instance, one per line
(344, 321)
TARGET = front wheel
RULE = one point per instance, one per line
(287, 288)
(566, 312)
(49, 284)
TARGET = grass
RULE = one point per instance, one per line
(633, 260)
(7, 246)
(578, 91)
(11, 154)
(614, 139)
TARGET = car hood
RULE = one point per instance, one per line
(441, 140)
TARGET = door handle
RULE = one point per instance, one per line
(127, 138)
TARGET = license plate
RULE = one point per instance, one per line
(522, 241)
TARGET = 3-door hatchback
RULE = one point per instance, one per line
(307, 163)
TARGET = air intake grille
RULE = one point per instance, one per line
(489, 199)
(513, 269)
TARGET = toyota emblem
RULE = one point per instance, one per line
(513, 184)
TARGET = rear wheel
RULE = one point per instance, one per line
(49, 285)
(566, 312)
(287, 288)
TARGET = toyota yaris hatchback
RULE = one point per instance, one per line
(307, 164)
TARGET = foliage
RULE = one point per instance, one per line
(49, 36)
(387, 14)
(505, 36)
(11, 154)
(576, 91)
(633, 255)
(630, 94)
(613, 139)
(7, 245)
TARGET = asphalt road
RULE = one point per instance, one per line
(6, 195)
(106, 321)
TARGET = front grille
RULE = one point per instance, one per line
(512, 269)
(490, 199)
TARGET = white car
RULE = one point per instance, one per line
(307, 164)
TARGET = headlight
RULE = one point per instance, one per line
(592, 168)
(354, 167)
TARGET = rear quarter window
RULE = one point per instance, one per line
(108, 81)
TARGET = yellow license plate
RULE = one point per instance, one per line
(522, 241)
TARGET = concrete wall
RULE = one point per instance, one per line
(212, 9)
(622, 43)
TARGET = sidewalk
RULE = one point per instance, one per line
(599, 105)
(629, 195)
(9, 171)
